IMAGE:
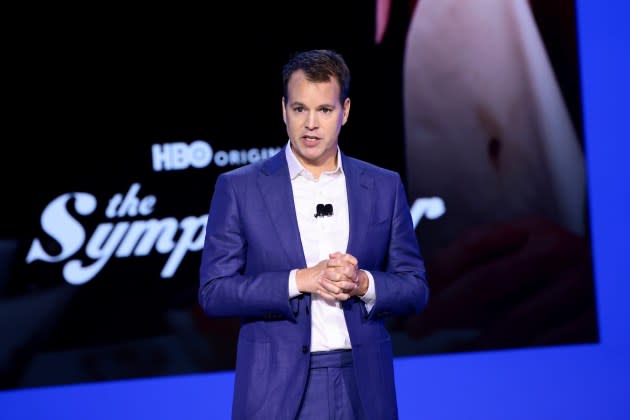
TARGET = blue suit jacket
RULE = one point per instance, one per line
(252, 243)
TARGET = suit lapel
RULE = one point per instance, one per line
(359, 188)
(275, 185)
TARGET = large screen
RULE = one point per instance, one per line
(505, 120)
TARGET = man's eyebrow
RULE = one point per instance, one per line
(298, 103)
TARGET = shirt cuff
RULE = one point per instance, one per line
(293, 289)
(369, 298)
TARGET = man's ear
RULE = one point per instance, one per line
(346, 110)
(284, 111)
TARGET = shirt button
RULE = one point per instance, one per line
(304, 349)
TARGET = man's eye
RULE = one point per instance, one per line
(326, 110)
(298, 109)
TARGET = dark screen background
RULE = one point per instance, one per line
(92, 94)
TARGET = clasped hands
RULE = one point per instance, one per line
(336, 279)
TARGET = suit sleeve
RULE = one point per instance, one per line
(402, 288)
(225, 288)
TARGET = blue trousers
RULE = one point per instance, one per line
(331, 389)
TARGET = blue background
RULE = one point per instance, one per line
(568, 382)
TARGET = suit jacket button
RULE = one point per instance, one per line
(304, 349)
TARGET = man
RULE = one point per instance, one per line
(312, 249)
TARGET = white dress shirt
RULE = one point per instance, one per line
(322, 236)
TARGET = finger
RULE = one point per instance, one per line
(334, 255)
(333, 275)
(348, 258)
(341, 274)
(347, 286)
(338, 284)
(355, 276)
(335, 262)
(351, 276)
(325, 295)
(344, 267)
(331, 296)
(334, 288)
(342, 296)
(351, 259)
(340, 262)
(327, 286)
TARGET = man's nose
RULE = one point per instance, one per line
(311, 120)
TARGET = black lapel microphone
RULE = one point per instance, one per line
(323, 210)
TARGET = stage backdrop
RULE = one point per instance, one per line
(130, 117)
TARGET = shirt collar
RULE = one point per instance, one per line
(296, 168)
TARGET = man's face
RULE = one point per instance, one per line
(314, 116)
